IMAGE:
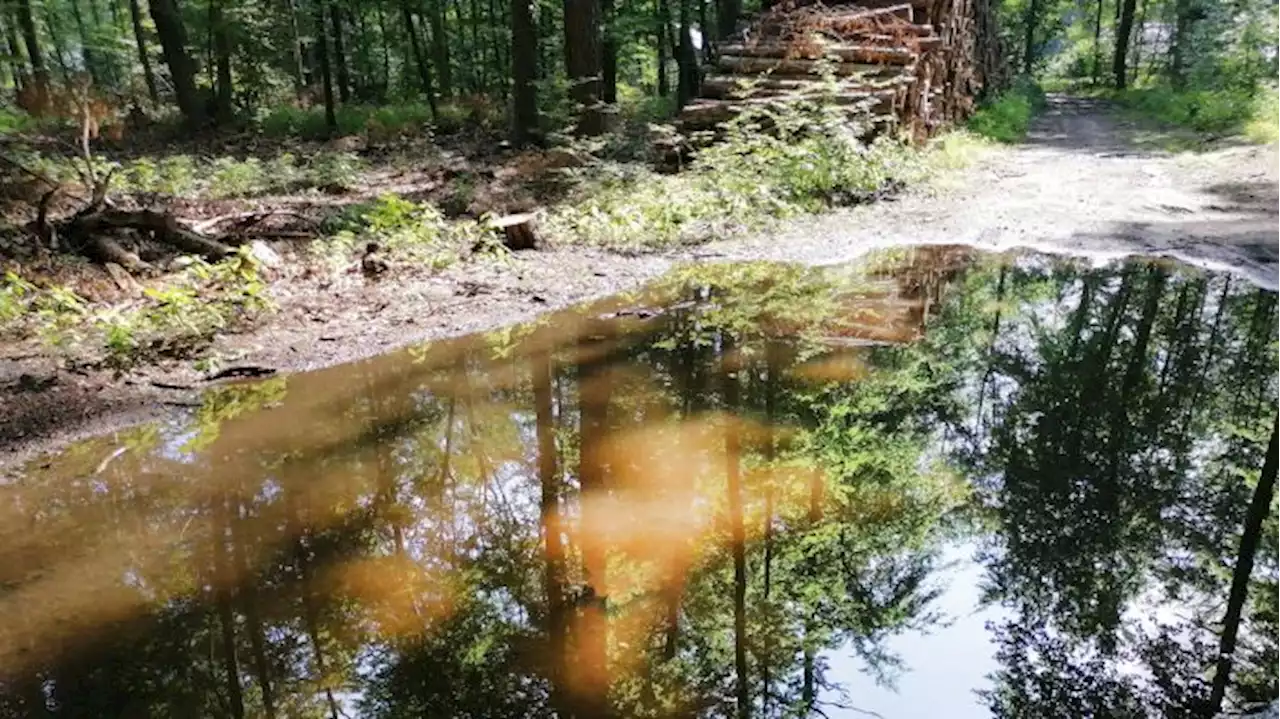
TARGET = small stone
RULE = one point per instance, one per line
(265, 256)
(181, 262)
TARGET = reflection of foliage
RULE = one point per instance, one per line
(389, 535)
(225, 403)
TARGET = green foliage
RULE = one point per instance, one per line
(178, 319)
(383, 121)
(1264, 126)
(772, 163)
(229, 177)
(1008, 117)
(182, 318)
(1217, 111)
(414, 231)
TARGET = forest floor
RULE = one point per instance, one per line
(1088, 180)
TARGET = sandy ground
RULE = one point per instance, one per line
(1082, 184)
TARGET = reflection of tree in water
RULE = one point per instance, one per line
(1118, 461)
(670, 513)
(632, 516)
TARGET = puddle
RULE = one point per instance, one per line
(999, 483)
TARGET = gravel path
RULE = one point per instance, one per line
(1080, 184)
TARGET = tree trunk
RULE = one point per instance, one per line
(440, 46)
(299, 67)
(1119, 68)
(704, 27)
(1185, 13)
(479, 68)
(661, 22)
(144, 58)
(340, 55)
(582, 49)
(222, 592)
(173, 43)
(727, 12)
(1259, 507)
(1030, 19)
(86, 50)
(524, 72)
(222, 55)
(609, 53)
(419, 57)
(686, 58)
(737, 537)
(27, 22)
(594, 389)
(1097, 45)
(553, 578)
(326, 77)
(386, 51)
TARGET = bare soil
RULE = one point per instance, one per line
(1086, 181)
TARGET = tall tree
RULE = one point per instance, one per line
(221, 31)
(727, 13)
(27, 22)
(1119, 67)
(326, 76)
(1030, 22)
(340, 53)
(419, 56)
(582, 51)
(144, 57)
(524, 72)
(609, 53)
(182, 72)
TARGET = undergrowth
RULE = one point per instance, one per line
(1008, 117)
(177, 320)
(409, 231)
(1253, 113)
(771, 163)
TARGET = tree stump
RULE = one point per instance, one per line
(519, 232)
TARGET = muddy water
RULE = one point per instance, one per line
(1005, 485)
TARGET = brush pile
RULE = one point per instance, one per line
(916, 66)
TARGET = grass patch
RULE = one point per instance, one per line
(1251, 113)
(1203, 111)
(406, 230)
(180, 319)
(771, 164)
(1007, 118)
(1263, 127)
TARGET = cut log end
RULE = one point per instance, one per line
(519, 232)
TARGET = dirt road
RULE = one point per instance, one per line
(1082, 183)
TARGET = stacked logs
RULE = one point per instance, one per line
(915, 65)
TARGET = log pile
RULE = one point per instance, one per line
(916, 65)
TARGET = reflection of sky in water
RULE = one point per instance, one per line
(942, 668)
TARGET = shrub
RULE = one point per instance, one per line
(772, 163)
(1008, 117)
(236, 178)
(1264, 126)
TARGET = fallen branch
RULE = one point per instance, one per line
(165, 227)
